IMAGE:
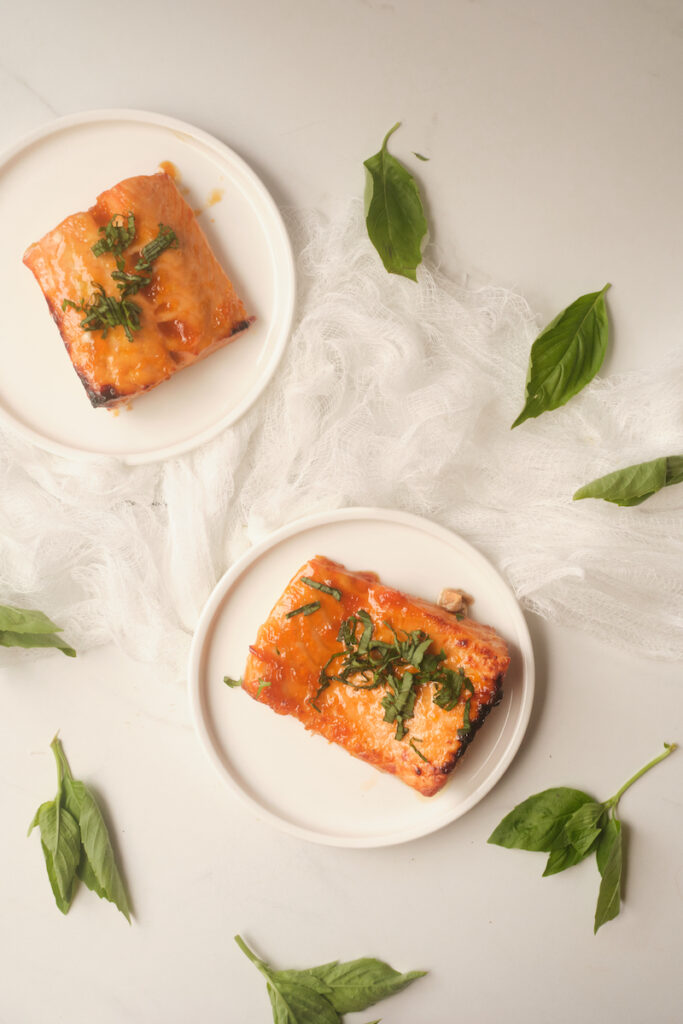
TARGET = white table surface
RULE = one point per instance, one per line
(554, 132)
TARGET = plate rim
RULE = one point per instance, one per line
(221, 589)
(286, 277)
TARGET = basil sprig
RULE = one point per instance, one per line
(76, 842)
(569, 825)
(566, 355)
(20, 627)
(393, 212)
(635, 484)
(320, 995)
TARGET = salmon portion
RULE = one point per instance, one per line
(291, 651)
(188, 310)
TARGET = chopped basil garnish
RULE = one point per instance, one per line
(305, 609)
(332, 591)
(401, 665)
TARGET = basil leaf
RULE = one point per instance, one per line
(420, 156)
(393, 212)
(357, 984)
(22, 627)
(97, 868)
(566, 355)
(318, 995)
(563, 858)
(609, 857)
(61, 843)
(231, 682)
(299, 1004)
(634, 484)
(583, 828)
(538, 822)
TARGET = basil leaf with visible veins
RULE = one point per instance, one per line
(566, 355)
(61, 843)
(318, 995)
(21, 627)
(634, 484)
(538, 822)
(393, 212)
(609, 855)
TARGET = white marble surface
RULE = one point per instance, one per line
(555, 137)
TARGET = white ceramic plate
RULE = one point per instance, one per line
(298, 781)
(59, 170)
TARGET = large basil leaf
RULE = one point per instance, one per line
(566, 355)
(61, 843)
(609, 857)
(538, 822)
(393, 212)
(22, 627)
(634, 484)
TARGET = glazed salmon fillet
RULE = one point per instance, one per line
(187, 308)
(395, 680)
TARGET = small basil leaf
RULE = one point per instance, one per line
(609, 857)
(563, 858)
(357, 984)
(538, 822)
(420, 156)
(583, 828)
(393, 212)
(566, 355)
(229, 681)
(61, 844)
(33, 640)
(299, 1004)
(634, 484)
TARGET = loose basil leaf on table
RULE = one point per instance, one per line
(566, 355)
(571, 825)
(393, 212)
(61, 843)
(76, 842)
(635, 484)
(320, 995)
(23, 627)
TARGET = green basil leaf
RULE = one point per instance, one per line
(61, 844)
(97, 867)
(32, 640)
(566, 355)
(22, 620)
(609, 857)
(393, 212)
(584, 827)
(538, 822)
(563, 858)
(357, 984)
(23, 627)
(634, 484)
(420, 156)
(299, 1004)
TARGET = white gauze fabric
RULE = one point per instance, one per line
(391, 394)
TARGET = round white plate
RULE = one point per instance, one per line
(59, 170)
(298, 781)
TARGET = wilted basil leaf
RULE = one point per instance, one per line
(634, 484)
(393, 212)
(566, 355)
